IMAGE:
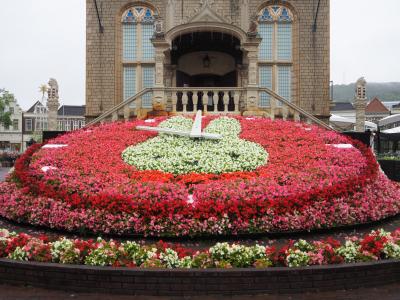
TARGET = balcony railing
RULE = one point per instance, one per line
(211, 100)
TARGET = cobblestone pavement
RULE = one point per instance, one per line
(389, 292)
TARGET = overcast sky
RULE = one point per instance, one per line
(46, 38)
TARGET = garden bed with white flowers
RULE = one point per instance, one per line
(262, 176)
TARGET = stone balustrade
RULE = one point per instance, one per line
(211, 100)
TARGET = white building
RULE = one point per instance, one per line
(11, 136)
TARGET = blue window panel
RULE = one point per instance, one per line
(129, 41)
(285, 82)
(148, 82)
(147, 45)
(285, 15)
(284, 40)
(265, 80)
(266, 31)
(148, 16)
(266, 16)
(129, 83)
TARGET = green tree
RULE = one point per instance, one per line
(5, 98)
(43, 89)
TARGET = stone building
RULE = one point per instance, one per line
(213, 55)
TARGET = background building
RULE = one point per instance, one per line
(376, 110)
(11, 136)
(217, 44)
(71, 117)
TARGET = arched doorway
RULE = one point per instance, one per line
(206, 59)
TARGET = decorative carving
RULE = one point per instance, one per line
(360, 104)
(52, 104)
(253, 27)
(53, 90)
(158, 27)
(361, 88)
(206, 13)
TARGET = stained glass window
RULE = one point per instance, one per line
(266, 31)
(265, 76)
(137, 31)
(147, 46)
(129, 83)
(285, 82)
(284, 41)
(129, 41)
(276, 31)
(148, 81)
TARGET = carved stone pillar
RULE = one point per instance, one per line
(52, 105)
(159, 99)
(251, 48)
(244, 14)
(360, 104)
(170, 15)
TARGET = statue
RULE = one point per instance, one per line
(52, 104)
(360, 88)
(253, 28)
(360, 103)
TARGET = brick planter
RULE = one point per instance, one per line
(197, 282)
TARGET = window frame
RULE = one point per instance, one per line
(268, 16)
(140, 61)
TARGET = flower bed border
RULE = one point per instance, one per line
(230, 237)
(279, 280)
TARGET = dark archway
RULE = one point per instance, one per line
(208, 65)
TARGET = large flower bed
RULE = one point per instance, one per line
(313, 179)
(374, 246)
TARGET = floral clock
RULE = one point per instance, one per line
(262, 176)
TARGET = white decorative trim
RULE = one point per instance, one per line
(53, 146)
(341, 146)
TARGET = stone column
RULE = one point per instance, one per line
(360, 104)
(251, 48)
(170, 15)
(160, 47)
(244, 14)
(52, 105)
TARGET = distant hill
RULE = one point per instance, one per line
(386, 91)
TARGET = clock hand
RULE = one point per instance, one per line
(196, 128)
(194, 133)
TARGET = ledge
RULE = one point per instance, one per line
(178, 282)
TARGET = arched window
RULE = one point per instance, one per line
(275, 56)
(138, 52)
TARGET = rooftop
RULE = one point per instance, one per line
(376, 106)
(341, 106)
(72, 110)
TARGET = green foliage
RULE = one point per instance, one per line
(386, 91)
(5, 98)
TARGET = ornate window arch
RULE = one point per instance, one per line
(138, 52)
(276, 51)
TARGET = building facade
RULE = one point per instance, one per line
(71, 117)
(35, 121)
(11, 136)
(376, 110)
(213, 55)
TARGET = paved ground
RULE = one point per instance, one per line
(390, 292)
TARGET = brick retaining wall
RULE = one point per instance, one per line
(195, 282)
